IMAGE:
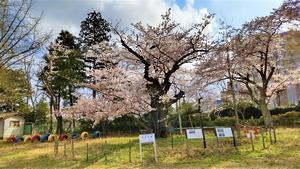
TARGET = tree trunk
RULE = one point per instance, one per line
(51, 114)
(237, 123)
(94, 80)
(266, 114)
(71, 104)
(59, 127)
(159, 126)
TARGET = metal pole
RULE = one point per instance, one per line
(179, 118)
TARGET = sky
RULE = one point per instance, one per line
(67, 14)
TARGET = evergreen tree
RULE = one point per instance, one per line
(63, 71)
(94, 31)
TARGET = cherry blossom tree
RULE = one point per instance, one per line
(159, 52)
(121, 92)
(258, 53)
(254, 56)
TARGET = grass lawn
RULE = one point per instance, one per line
(114, 153)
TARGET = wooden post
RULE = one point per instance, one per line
(87, 152)
(251, 138)
(270, 134)
(172, 141)
(204, 141)
(155, 151)
(217, 137)
(141, 154)
(65, 149)
(187, 148)
(263, 138)
(130, 151)
(275, 138)
(73, 152)
(54, 147)
(233, 138)
(57, 144)
(105, 151)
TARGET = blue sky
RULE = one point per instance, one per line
(236, 12)
(67, 14)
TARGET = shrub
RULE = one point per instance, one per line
(224, 121)
(288, 119)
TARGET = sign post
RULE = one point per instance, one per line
(223, 132)
(195, 134)
(147, 138)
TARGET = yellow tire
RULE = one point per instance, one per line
(27, 139)
(52, 137)
(84, 135)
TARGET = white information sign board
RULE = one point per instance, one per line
(194, 133)
(147, 138)
(224, 132)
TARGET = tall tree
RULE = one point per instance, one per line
(258, 52)
(13, 90)
(63, 72)
(94, 31)
(20, 36)
(159, 52)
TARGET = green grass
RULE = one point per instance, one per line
(185, 154)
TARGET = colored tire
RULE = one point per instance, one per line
(44, 137)
(96, 134)
(84, 135)
(35, 138)
(52, 137)
(63, 137)
(27, 138)
(11, 139)
(19, 139)
(74, 135)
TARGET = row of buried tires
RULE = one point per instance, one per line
(47, 137)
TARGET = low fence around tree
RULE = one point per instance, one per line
(115, 149)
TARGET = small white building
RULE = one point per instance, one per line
(11, 124)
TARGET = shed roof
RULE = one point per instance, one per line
(8, 115)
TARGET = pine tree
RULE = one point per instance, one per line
(94, 31)
(63, 71)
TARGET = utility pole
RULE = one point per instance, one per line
(179, 116)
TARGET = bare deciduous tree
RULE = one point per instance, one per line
(19, 33)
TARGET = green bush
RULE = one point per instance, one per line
(288, 119)
(224, 121)
(253, 121)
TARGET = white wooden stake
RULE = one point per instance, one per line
(155, 152)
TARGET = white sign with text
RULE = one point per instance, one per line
(194, 133)
(147, 138)
(224, 132)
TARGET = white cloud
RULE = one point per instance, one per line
(67, 14)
